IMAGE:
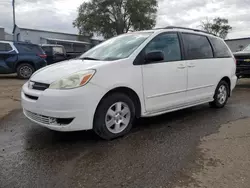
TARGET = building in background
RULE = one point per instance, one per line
(71, 42)
(5, 36)
(2, 34)
(238, 44)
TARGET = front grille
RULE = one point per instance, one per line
(48, 120)
(40, 86)
(38, 118)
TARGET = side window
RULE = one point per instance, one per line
(168, 43)
(46, 49)
(197, 46)
(5, 47)
(220, 48)
(8, 47)
(28, 48)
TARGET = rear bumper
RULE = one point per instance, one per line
(40, 64)
(233, 83)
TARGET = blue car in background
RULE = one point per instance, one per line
(21, 58)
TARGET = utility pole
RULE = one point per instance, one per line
(14, 14)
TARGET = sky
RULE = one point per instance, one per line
(58, 15)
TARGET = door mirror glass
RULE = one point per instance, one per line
(154, 56)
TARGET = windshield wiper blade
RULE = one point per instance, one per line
(89, 58)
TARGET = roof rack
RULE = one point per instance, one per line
(186, 28)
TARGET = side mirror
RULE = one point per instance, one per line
(154, 56)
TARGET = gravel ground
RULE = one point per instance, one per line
(196, 147)
(9, 94)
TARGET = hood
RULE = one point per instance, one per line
(57, 71)
(242, 53)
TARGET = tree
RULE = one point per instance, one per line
(218, 26)
(114, 17)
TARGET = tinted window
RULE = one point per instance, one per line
(168, 43)
(29, 48)
(5, 47)
(58, 50)
(46, 49)
(220, 48)
(197, 47)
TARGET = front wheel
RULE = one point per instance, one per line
(221, 95)
(114, 116)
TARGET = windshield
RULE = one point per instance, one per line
(119, 47)
(247, 48)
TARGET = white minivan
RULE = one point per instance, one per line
(138, 74)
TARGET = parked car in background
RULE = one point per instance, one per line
(243, 62)
(21, 58)
(138, 74)
(72, 55)
(56, 53)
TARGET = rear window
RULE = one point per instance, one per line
(220, 48)
(29, 48)
(5, 47)
(197, 46)
(58, 50)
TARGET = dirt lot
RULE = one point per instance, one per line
(195, 147)
(10, 88)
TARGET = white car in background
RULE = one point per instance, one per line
(139, 74)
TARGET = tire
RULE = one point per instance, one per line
(109, 121)
(221, 95)
(25, 70)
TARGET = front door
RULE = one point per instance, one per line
(202, 68)
(165, 82)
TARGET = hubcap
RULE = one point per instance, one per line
(222, 94)
(25, 71)
(117, 117)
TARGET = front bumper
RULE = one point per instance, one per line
(243, 71)
(51, 107)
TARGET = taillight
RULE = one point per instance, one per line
(44, 56)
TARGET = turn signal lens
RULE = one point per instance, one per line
(86, 79)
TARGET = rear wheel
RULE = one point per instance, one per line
(114, 116)
(221, 95)
(25, 70)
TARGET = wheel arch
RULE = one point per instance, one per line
(227, 79)
(130, 93)
(27, 62)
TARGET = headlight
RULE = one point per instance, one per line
(77, 79)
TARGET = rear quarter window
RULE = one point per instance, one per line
(5, 47)
(58, 50)
(29, 48)
(220, 48)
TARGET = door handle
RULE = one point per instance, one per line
(191, 65)
(181, 66)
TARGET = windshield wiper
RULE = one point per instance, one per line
(89, 58)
